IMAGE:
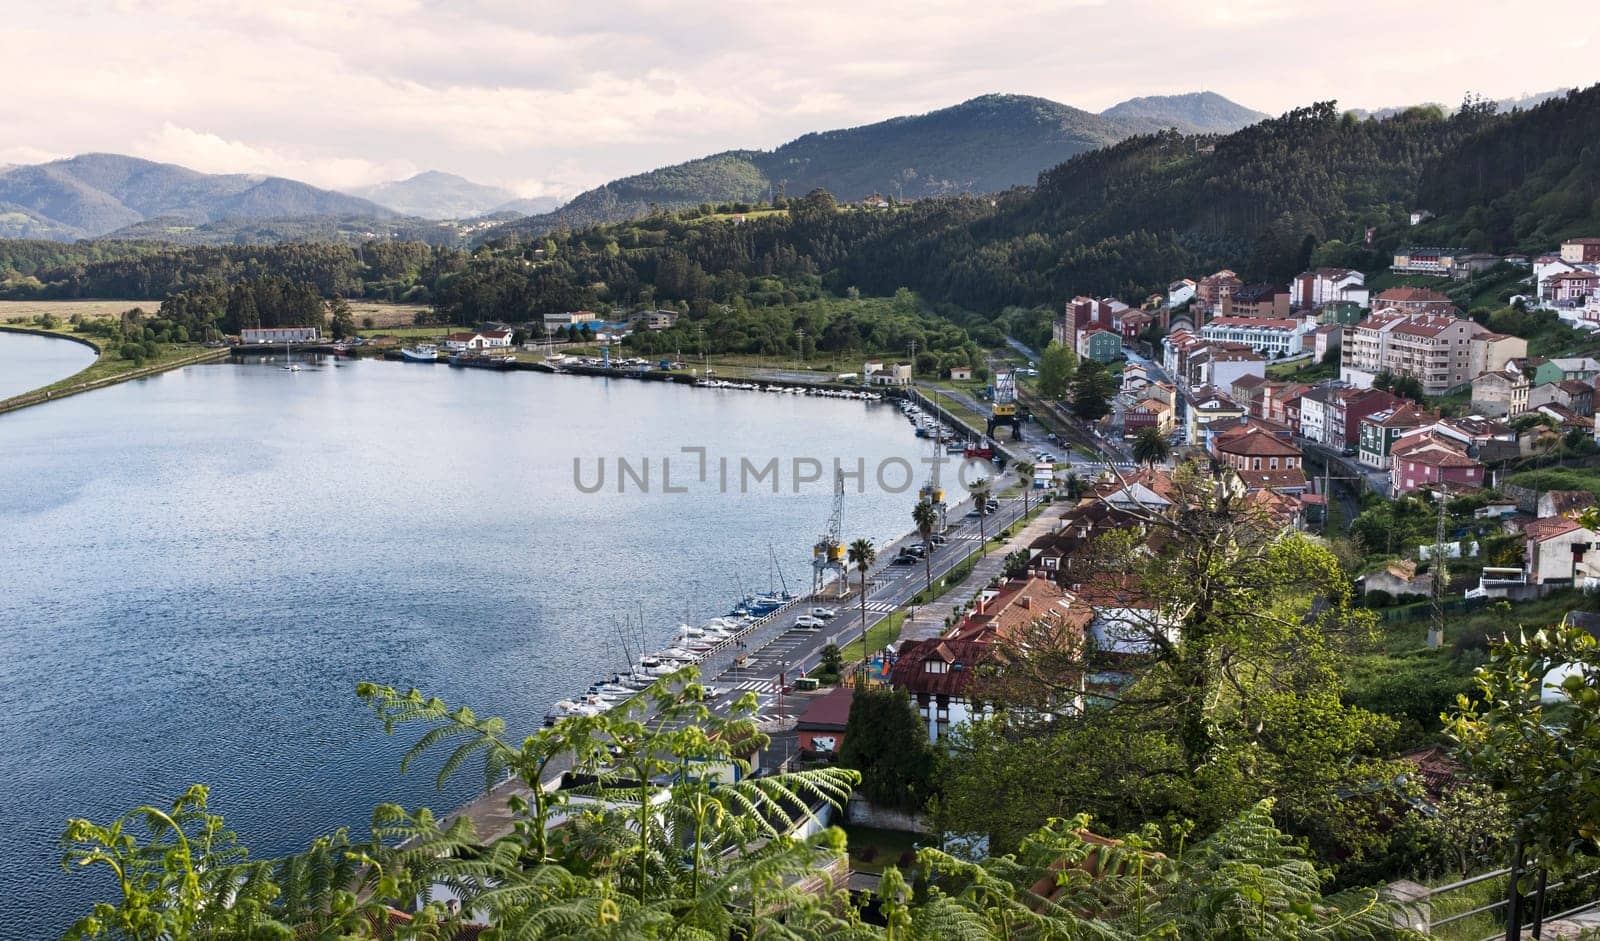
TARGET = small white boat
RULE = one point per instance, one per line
(420, 353)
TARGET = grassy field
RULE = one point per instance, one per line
(111, 369)
(879, 635)
(385, 314)
(19, 311)
(411, 332)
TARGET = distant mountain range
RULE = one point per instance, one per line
(98, 194)
(984, 145)
(1503, 105)
(434, 194)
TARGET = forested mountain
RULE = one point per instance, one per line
(1300, 189)
(95, 194)
(433, 194)
(251, 230)
(985, 145)
(1202, 112)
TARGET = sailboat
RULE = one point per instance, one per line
(289, 365)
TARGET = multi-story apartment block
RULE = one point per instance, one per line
(1420, 260)
(1433, 347)
(1213, 288)
(1313, 289)
(1257, 300)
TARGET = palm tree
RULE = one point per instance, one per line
(1025, 474)
(926, 516)
(862, 555)
(980, 502)
(1151, 448)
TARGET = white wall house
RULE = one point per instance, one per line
(280, 335)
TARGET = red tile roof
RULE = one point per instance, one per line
(828, 712)
(1549, 527)
(1254, 441)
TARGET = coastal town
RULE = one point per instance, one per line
(718, 474)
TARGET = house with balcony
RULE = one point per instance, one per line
(1427, 459)
(1382, 429)
(1571, 288)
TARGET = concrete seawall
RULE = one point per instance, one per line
(41, 396)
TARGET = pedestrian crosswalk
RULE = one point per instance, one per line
(757, 686)
(882, 607)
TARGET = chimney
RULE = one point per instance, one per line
(1025, 602)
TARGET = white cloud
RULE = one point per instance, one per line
(561, 95)
(210, 153)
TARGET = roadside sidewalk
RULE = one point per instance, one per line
(927, 620)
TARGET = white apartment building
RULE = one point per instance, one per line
(1312, 289)
(1269, 337)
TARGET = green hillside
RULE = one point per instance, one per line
(986, 145)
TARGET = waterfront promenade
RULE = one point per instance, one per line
(778, 649)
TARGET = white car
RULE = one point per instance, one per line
(808, 622)
(824, 613)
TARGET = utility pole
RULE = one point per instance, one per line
(1441, 577)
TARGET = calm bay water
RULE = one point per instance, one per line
(197, 568)
(28, 361)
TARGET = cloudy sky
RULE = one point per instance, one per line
(551, 97)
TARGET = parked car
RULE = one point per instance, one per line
(938, 539)
(994, 505)
(823, 613)
(904, 558)
(808, 623)
(917, 549)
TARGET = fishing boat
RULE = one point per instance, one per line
(420, 353)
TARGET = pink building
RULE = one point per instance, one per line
(1426, 459)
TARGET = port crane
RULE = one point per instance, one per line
(828, 553)
(1004, 410)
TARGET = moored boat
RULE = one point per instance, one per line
(420, 353)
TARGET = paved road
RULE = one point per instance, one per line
(781, 649)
